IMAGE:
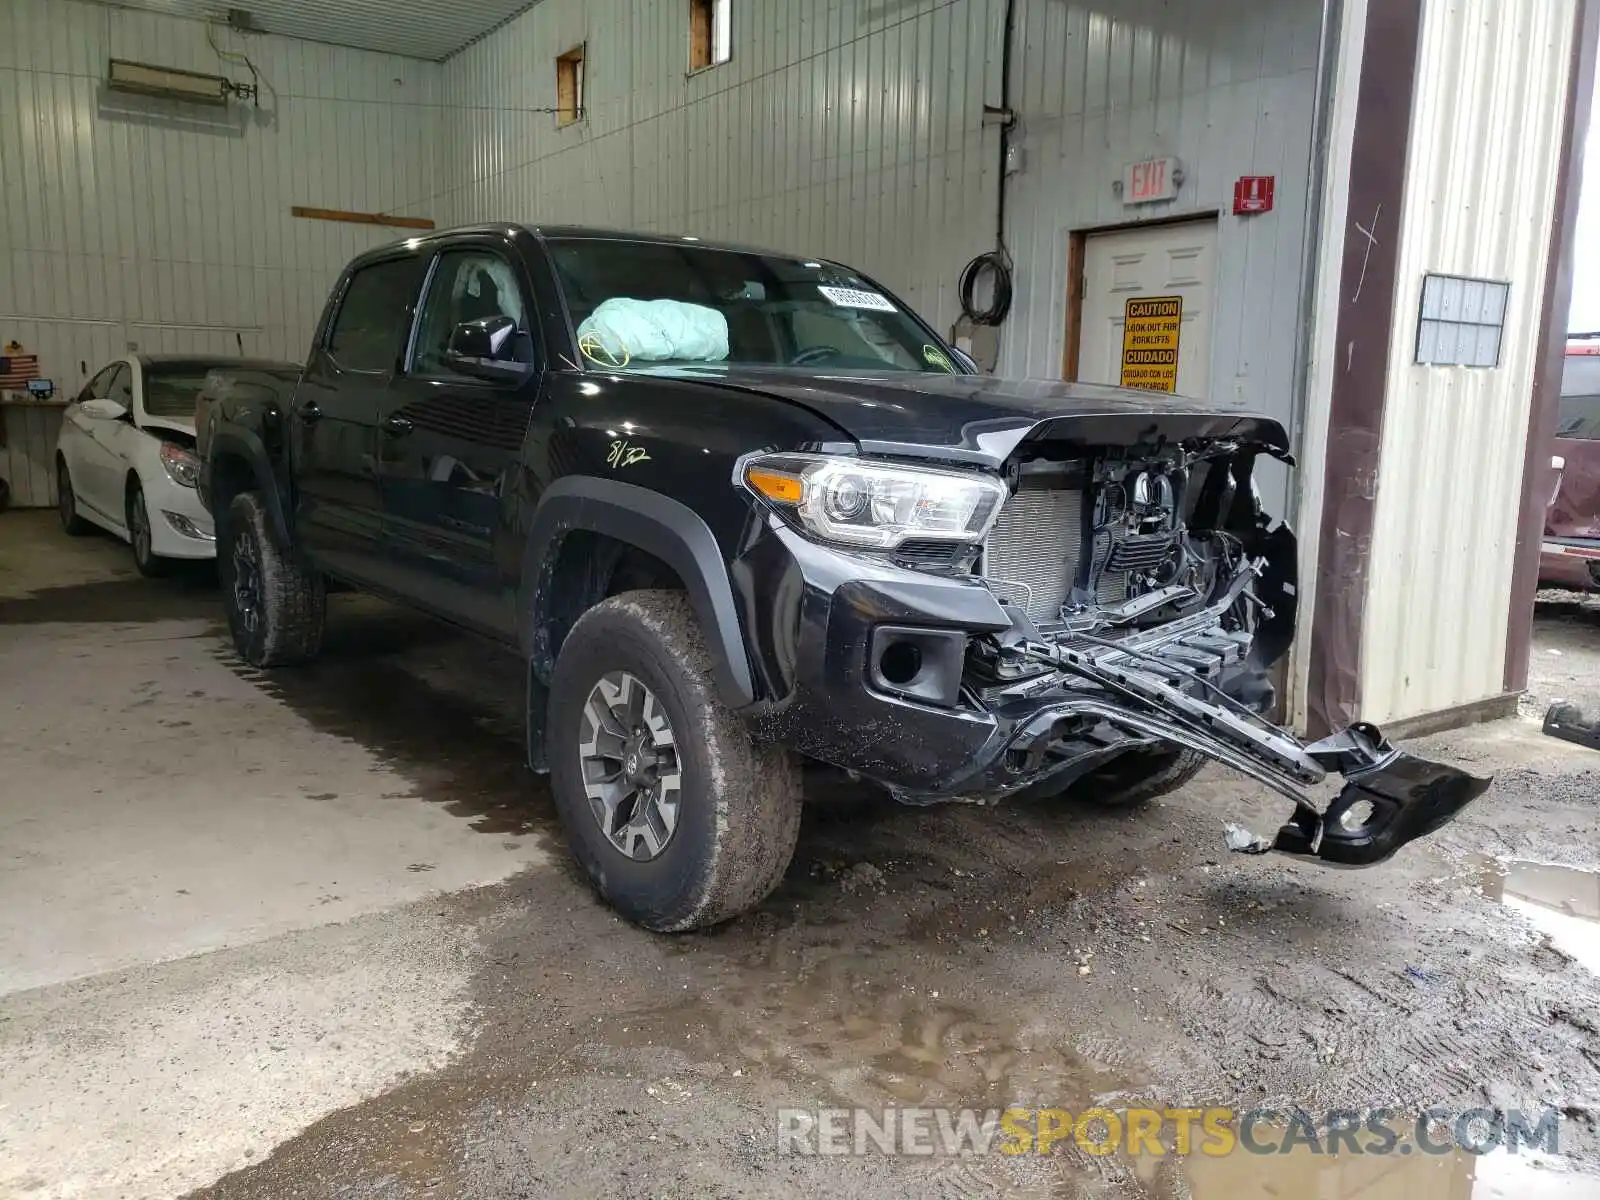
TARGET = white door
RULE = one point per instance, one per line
(1169, 272)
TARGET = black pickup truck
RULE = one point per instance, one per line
(735, 508)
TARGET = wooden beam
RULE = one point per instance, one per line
(361, 218)
(1072, 345)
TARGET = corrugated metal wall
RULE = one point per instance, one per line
(1491, 92)
(853, 129)
(849, 128)
(419, 28)
(132, 220)
(1229, 88)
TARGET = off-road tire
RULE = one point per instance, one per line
(72, 522)
(292, 599)
(739, 806)
(1137, 777)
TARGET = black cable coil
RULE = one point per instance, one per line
(999, 265)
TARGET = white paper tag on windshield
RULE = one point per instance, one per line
(851, 298)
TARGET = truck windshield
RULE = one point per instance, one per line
(637, 305)
(170, 391)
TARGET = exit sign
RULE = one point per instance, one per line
(1151, 181)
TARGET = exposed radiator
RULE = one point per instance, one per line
(1032, 555)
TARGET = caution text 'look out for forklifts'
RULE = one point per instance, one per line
(1150, 331)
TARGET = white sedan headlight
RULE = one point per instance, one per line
(876, 505)
(182, 467)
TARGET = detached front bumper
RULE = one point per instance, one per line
(1389, 798)
(821, 622)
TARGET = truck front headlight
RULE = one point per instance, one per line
(875, 505)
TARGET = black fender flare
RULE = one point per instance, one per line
(247, 444)
(654, 523)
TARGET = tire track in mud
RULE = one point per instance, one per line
(1460, 1016)
(989, 957)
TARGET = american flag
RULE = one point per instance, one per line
(17, 369)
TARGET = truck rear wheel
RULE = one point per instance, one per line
(679, 819)
(275, 603)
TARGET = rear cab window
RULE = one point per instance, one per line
(370, 329)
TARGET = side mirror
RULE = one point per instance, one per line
(483, 348)
(966, 360)
(103, 410)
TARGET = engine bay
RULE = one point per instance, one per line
(1117, 538)
(1160, 557)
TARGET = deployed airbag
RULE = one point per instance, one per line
(622, 330)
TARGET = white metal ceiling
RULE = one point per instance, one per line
(418, 28)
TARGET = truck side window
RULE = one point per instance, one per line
(468, 286)
(1579, 418)
(371, 326)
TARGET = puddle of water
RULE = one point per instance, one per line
(834, 1021)
(188, 593)
(1396, 1176)
(1562, 902)
(458, 742)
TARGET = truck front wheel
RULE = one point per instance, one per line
(1138, 776)
(679, 819)
(275, 602)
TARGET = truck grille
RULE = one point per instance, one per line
(1031, 557)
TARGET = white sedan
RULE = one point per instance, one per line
(125, 460)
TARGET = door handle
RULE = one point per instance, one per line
(397, 426)
(309, 412)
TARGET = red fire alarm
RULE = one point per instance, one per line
(1254, 194)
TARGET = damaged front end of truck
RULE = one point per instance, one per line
(1109, 604)
(1184, 599)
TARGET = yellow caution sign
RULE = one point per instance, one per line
(1150, 343)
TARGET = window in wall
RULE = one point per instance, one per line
(569, 86)
(710, 42)
(1462, 321)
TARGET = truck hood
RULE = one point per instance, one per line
(982, 419)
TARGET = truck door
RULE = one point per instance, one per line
(1572, 530)
(334, 418)
(449, 446)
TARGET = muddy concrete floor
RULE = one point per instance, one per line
(1055, 955)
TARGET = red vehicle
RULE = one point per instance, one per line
(1571, 557)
